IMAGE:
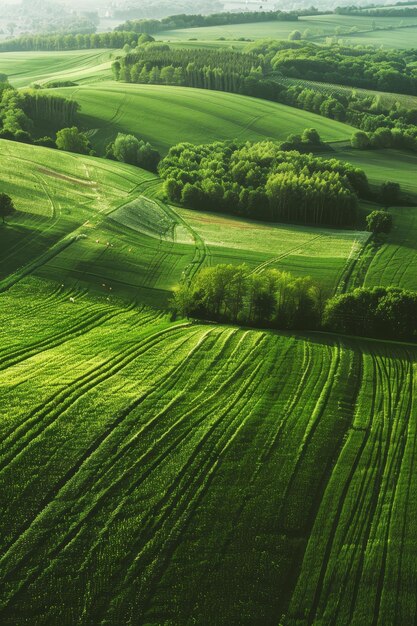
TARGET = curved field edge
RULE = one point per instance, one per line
(169, 115)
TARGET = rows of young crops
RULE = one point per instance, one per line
(359, 566)
(148, 466)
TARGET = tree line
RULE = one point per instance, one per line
(275, 299)
(377, 12)
(58, 42)
(173, 22)
(222, 70)
(262, 181)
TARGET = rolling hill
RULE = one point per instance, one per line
(167, 115)
(96, 224)
(160, 471)
(42, 67)
(155, 464)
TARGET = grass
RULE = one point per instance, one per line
(59, 197)
(25, 68)
(153, 468)
(394, 262)
(318, 28)
(363, 535)
(321, 253)
(141, 454)
(169, 115)
(96, 225)
(157, 472)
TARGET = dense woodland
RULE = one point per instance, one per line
(223, 70)
(370, 68)
(262, 181)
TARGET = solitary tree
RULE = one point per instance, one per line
(295, 35)
(7, 207)
(379, 222)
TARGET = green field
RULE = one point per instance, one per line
(320, 253)
(23, 69)
(318, 27)
(65, 204)
(211, 458)
(394, 262)
(157, 471)
(167, 115)
(96, 224)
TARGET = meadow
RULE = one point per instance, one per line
(24, 69)
(169, 115)
(356, 29)
(210, 460)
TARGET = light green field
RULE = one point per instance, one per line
(167, 115)
(25, 68)
(95, 224)
(155, 465)
(317, 27)
(71, 225)
(394, 263)
(398, 38)
(321, 253)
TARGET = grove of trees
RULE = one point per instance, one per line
(378, 222)
(235, 294)
(73, 140)
(22, 112)
(262, 181)
(275, 299)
